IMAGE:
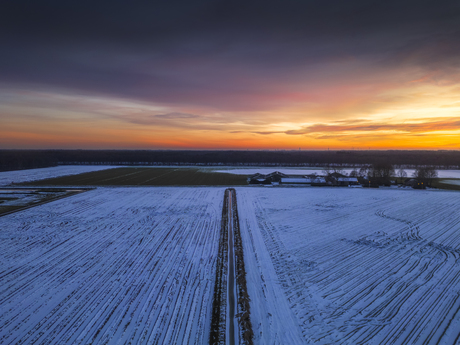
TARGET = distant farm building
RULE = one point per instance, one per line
(305, 180)
(295, 180)
(347, 181)
(258, 179)
(272, 178)
(279, 178)
(414, 183)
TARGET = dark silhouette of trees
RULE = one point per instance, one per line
(354, 173)
(363, 171)
(425, 175)
(401, 174)
(381, 173)
(336, 160)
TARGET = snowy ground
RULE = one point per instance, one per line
(115, 265)
(324, 265)
(24, 197)
(318, 171)
(453, 182)
(352, 266)
(18, 176)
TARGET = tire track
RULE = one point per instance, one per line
(382, 268)
(112, 274)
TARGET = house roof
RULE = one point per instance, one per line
(257, 175)
(277, 173)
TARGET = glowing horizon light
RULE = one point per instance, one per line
(335, 115)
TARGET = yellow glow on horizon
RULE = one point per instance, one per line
(412, 116)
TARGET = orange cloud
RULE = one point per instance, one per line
(423, 127)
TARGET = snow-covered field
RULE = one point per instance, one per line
(324, 265)
(24, 197)
(441, 173)
(18, 176)
(352, 266)
(306, 171)
(453, 182)
(111, 266)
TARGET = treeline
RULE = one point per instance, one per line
(382, 174)
(27, 159)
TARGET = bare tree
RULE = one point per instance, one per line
(401, 174)
(425, 175)
(338, 170)
(354, 173)
(363, 171)
(381, 173)
(431, 174)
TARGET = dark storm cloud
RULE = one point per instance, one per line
(143, 21)
(221, 54)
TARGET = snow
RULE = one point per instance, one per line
(112, 265)
(24, 197)
(352, 266)
(324, 265)
(308, 171)
(18, 176)
(453, 182)
(441, 173)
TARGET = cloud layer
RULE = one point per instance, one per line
(239, 68)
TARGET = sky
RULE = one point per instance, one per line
(175, 74)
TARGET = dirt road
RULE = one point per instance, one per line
(231, 276)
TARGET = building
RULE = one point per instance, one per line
(272, 178)
(347, 181)
(276, 178)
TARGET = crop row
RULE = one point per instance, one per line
(358, 267)
(124, 265)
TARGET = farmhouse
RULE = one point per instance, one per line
(258, 179)
(272, 178)
(304, 180)
(415, 183)
(276, 176)
(318, 181)
(295, 180)
(279, 178)
(347, 181)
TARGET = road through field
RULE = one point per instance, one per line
(231, 322)
(231, 276)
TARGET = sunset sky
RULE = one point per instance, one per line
(230, 74)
